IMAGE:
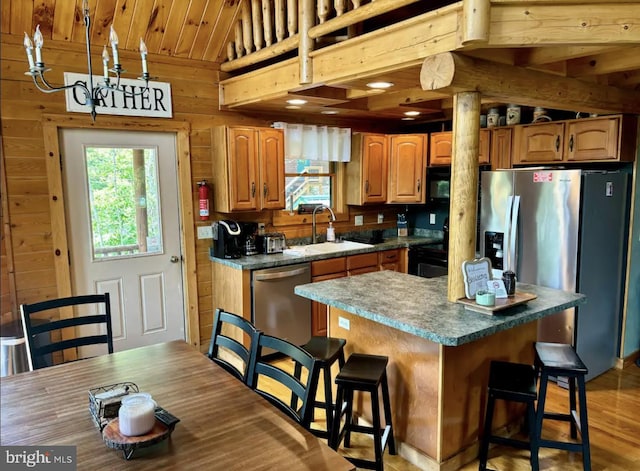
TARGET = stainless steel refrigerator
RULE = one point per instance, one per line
(564, 229)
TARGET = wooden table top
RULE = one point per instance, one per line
(223, 424)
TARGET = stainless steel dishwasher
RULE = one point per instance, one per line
(277, 310)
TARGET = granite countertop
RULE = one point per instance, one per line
(420, 307)
(255, 262)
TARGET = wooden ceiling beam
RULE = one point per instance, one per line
(599, 64)
(407, 97)
(453, 73)
(548, 55)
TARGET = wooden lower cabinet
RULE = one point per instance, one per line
(322, 270)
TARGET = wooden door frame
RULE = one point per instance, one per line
(51, 125)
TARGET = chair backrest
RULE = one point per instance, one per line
(37, 330)
(281, 371)
(227, 350)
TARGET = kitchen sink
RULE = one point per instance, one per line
(325, 248)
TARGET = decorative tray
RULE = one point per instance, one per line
(501, 303)
(114, 439)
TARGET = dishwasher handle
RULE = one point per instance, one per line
(277, 275)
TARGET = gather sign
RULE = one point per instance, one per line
(154, 102)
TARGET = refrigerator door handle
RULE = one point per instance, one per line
(506, 244)
(513, 233)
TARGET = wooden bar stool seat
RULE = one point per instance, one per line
(510, 382)
(326, 351)
(561, 360)
(365, 373)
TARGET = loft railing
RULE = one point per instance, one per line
(268, 29)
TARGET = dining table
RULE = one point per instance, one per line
(224, 425)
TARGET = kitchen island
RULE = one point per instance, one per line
(439, 354)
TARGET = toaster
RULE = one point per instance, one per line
(274, 242)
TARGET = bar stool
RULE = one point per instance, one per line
(510, 382)
(326, 351)
(364, 373)
(561, 360)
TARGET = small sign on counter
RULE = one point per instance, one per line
(476, 275)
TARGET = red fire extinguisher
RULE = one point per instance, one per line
(203, 195)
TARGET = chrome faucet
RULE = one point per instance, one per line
(313, 220)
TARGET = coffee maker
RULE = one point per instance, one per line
(227, 240)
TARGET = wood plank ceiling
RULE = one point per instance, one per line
(200, 29)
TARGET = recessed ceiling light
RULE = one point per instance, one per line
(408, 118)
(379, 85)
(412, 113)
(329, 112)
(296, 101)
(292, 107)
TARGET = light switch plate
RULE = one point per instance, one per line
(359, 220)
(205, 232)
(343, 322)
(432, 218)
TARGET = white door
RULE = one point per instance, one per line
(124, 234)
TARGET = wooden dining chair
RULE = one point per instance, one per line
(228, 350)
(43, 335)
(280, 371)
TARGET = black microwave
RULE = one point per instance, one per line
(438, 185)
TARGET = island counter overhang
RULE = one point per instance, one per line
(439, 354)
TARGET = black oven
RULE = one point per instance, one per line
(428, 260)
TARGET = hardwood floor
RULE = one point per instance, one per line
(614, 426)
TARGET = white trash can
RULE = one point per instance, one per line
(13, 352)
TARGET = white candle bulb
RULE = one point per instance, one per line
(105, 62)
(28, 45)
(143, 54)
(113, 37)
(39, 41)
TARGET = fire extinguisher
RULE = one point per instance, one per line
(203, 196)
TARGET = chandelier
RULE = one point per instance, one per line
(93, 95)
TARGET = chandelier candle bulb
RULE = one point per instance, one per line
(113, 37)
(105, 63)
(39, 41)
(143, 54)
(28, 45)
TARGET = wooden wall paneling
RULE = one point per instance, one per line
(173, 27)
(62, 24)
(21, 16)
(158, 23)
(8, 297)
(101, 14)
(190, 28)
(138, 25)
(223, 29)
(207, 24)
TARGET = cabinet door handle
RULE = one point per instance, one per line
(253, 189)
(571, 143)
(366, 187)
(419, 184)
(265, 191)
(557, 143)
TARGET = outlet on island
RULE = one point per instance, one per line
(343, 322)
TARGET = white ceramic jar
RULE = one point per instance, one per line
(137, 414)
(493, 117)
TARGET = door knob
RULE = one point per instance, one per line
(174, 259)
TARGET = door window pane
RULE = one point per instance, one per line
(124, 201)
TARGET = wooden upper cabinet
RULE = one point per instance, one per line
(367, 171)
(248, 169)
(501, 141)
(539, 143)
(440, 148)
(592, 139)
(407, 168)
(271, 157)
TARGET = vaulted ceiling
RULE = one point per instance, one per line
(201, 29)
